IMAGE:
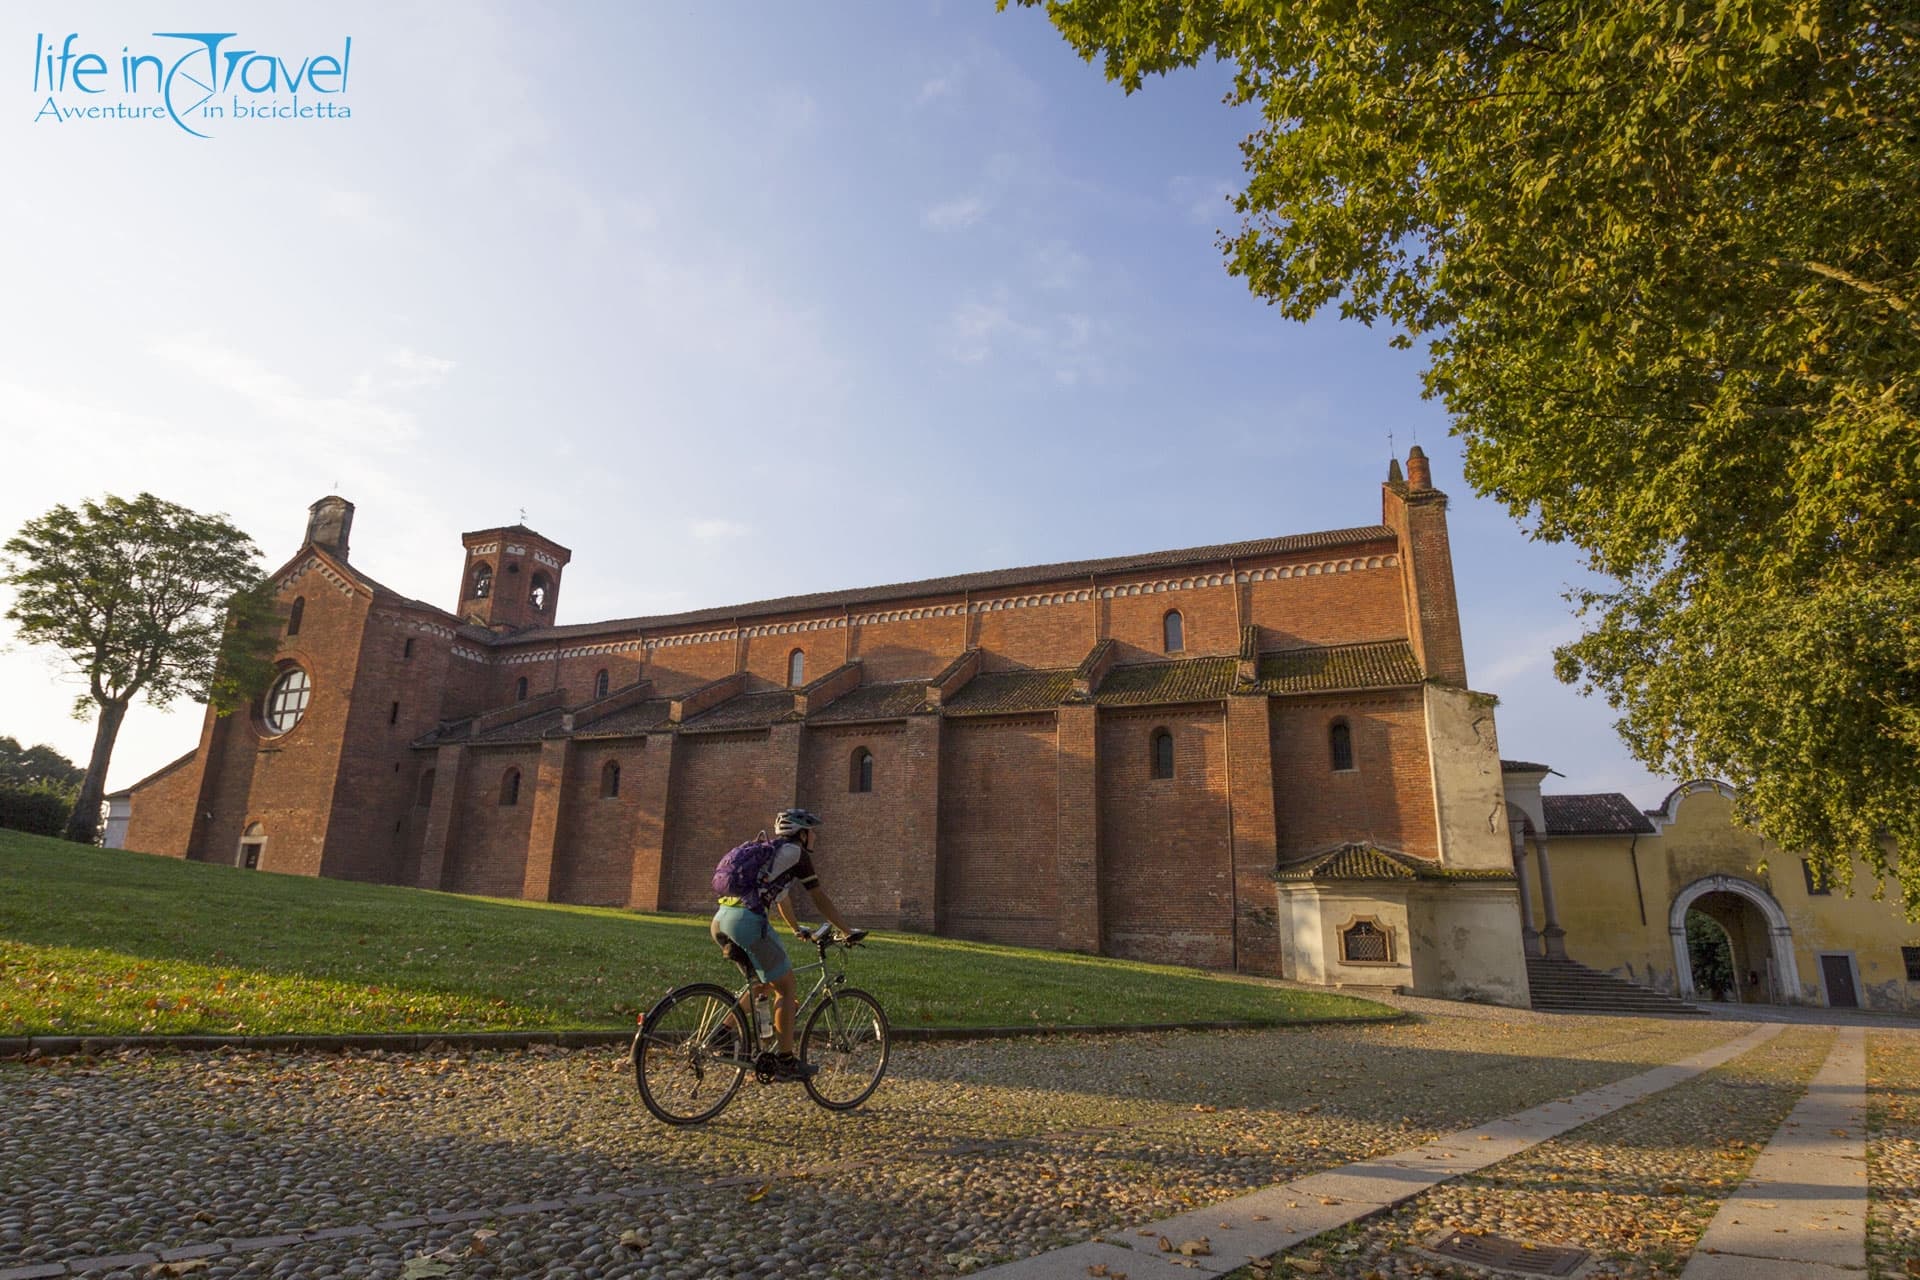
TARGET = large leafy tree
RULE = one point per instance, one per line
(145, 599)
(1665, 258)
(38, 766)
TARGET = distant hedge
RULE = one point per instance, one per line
(38, 810)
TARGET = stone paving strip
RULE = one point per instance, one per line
(1633, 1189)
(970, 1153)
(1277, 1218)
(1802, 1212)
(1893, 1154)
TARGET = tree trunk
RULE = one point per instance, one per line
(84, 826)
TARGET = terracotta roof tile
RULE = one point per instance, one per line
(1189, 680)
(531, 729)
(1597, 815)
(893, 701)
(998, 692)
(642, 717)
(1383, 664)
(1358, 860)
(1523, 766)
(747, 711)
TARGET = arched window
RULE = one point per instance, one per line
(424, 796)
(860, 770)
(482, 582)
(406, 650)
(1340, 743)
(287, 700)
(1173, 631)
(600, 683)
(298, 612)
(1162, 754)
(510, 787)
(609, 779)
(539, 592)
(252, 841)
(1365, 942)
(796, 668)
(520, 690)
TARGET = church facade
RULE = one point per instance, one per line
(1261, 756)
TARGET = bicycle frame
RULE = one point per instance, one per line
(827, 981)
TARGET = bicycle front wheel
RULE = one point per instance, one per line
(691, 1054)
(846, 1044)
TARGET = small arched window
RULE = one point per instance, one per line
(539, 592)
(520, 690)
(1173, 631)
(1162, 754)
(294, 617)
(600, 683)
(610, 780)
(796, 668)
(860, 770)
(424, 796)
(510, 787)
(482, 582)
(1340, 744)
(1365, 942)
(406, 650)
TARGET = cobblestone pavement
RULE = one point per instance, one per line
(970, 1152)
(1893, 1154)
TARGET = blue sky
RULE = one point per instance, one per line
(734, 301)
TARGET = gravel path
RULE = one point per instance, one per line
(1636, 1188)
(1893, 1155)
(970, 1153)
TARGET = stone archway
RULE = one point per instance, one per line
(1779, 933)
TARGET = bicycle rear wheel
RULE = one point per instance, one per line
(691, 1054)
(846, 1044)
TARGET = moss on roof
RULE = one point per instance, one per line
(1379, 665)
(1358, 860)
(999, 692)
(892, 701)
(1189, 680)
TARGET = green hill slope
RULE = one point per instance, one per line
(96, 941)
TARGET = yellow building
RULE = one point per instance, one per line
(1610, 887)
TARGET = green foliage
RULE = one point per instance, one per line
(39, 766)
(146, 599)
(39, 809)
(1711, 954)
(105, 941)
(1665, 256)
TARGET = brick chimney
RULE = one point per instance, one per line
(329, 522)
(1419, 474)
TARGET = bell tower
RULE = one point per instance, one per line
(511, 578)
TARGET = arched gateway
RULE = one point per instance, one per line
(1779, 934)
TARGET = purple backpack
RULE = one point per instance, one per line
(742, 873)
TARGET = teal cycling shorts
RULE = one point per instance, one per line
(737, 928)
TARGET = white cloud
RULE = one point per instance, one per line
(942, 86)
(716, 530)
(954, 215)
(355, 419)
(1058, 265)
(1067, 343)
(1203, 200)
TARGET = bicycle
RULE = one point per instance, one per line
(694, 1047)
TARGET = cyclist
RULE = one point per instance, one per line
(743, 932)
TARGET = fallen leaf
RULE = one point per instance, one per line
(1196, 1248)
(1308, 1265)
(1166, 1245)
(1204, 1106)
(186, 1267)
(423, 1268)
(759, 1194)
(1097, 1269)
(634, 1239)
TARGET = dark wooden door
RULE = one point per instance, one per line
(1839, 976)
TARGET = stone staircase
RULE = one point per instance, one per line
(1562, 986)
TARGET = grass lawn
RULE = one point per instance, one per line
(98, 941)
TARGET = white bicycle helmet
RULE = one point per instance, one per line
(790, 822)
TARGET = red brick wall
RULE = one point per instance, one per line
(680, 667)
(490, 855)
(1339, 608)
(1387, 797)
(1207, 615)
(857, 852)
(910, 648)
(1039, 636)
(577, 672)
(1166, 860)
(999, 831)
(594, 863)
(726, 788)
(766, 655)
(162, 816)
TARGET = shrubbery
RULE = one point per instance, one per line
(41, 810)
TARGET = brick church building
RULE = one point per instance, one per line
(1261, 756)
